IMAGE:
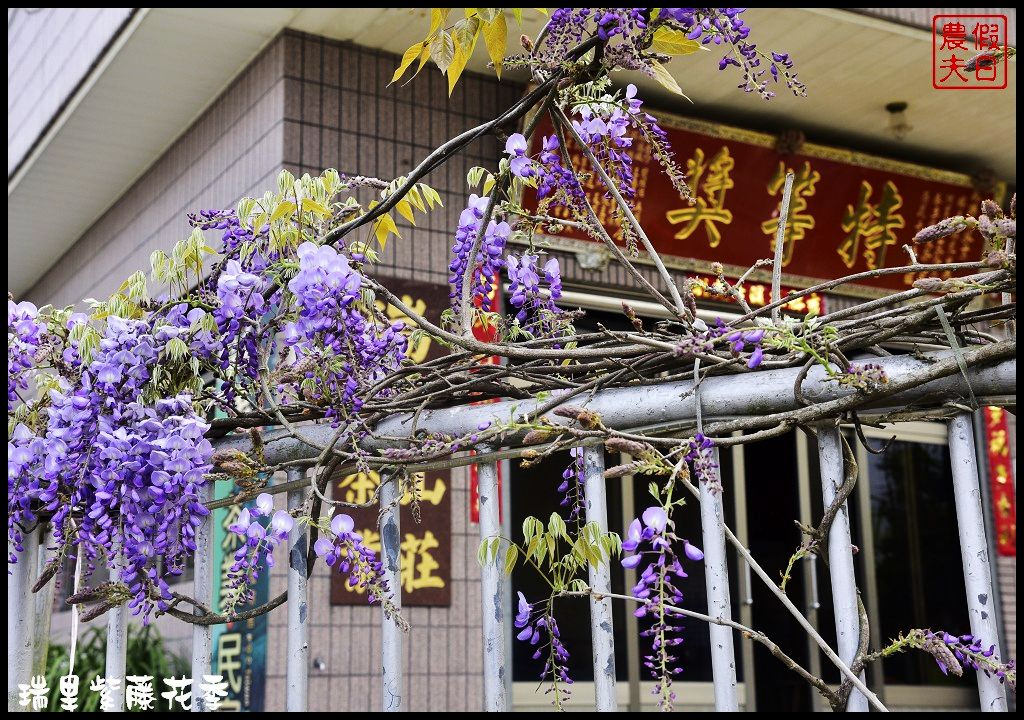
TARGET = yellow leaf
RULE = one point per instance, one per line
(495, 34)
(424, 56)
(309, 205)
(411, 54)
(405, 211)
(385, 224)
(662, 75)
(673, 42)
(416, 199)
(281, 210)
(437, 17)
(466, 34)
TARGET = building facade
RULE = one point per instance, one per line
(121, 122)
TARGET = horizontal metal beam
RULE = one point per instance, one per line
(760, 393)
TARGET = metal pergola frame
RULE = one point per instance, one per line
(769, 392)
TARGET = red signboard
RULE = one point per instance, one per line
(1000, 473)
(849, 212)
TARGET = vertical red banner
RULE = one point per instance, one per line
(485, 332)
(1000, 473)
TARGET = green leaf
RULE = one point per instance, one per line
(673, 42)
(511, 555)
(557, 525)
(665, 79)
(481, 554)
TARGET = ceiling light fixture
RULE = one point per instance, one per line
(898, 125)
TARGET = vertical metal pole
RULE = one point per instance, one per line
(739, 491)
(21, 621)
(298, 605)
(601, 633)
(391, 634)
(716, 573)
(44, 608)
(810, 564)
(202, 635)
(632, 636)
(117, 648)
(495, 699)
(504, 466)
(840, 557)
(974, 552)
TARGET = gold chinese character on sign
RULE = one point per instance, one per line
(434, 495)
(997, 442)
(708, 208)
(419, 349)
(359, 488)
(871, 228)
(799, 220)
(418, 564)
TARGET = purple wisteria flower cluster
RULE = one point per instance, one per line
(571, 486)
(25, 335)
(536, 623)
(133, 470)
(720, 26)
(333, 333)
(954, 652)
(865, 376)
(241, 290)
(525, 289)
(488, 261)
(349, 554)
(742, 343)
(258, 546)
(551, 178)
(649, 539)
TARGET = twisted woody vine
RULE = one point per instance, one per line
(268, 318)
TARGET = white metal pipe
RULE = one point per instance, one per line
(760, 393)
(391, 556)
(840, 557)
(202, 635)
(601, 632)
(117, 649)
(716, 576)
(297, 673)
(21, 621)
(495, 699)
(981, 597)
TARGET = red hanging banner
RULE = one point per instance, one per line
(1000, 473)
(485, 333)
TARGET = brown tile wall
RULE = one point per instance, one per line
(233, 149)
